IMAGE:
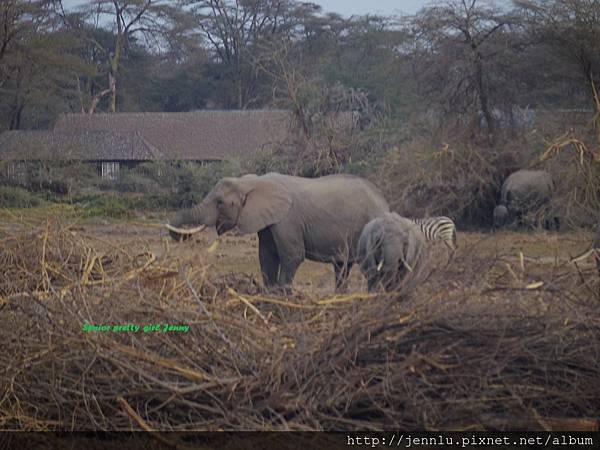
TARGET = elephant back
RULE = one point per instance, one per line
(527, 189)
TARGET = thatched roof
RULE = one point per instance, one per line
(80, 145)
(199, 135)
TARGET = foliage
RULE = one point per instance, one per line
(458, 181)
(50, 177)
(106, 205)
(194, 181)
(453, 61)
(172, 185)
(16, 197)
(37, 64)
(130, 181)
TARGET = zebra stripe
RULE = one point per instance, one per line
(438, 229)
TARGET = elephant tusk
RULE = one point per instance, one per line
(185, 231)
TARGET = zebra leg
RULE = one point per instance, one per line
(451, 252)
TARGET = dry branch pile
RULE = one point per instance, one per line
(499, 352)
(576, 168)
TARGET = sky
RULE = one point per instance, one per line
(347, 7)
(362, 7)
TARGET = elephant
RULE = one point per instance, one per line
(500, 216)
(524, 192)
(391, 251)
(296, 218)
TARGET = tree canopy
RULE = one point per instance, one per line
(464, 62)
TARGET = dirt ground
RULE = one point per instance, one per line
(239, 254)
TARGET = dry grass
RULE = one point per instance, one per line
(576, 168)
(495, 340)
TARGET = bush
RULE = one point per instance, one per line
(16, 197)
(458, 181)
(53, 177)
(194, 181)
(167, 185)
(575, 168)
(132, 181)
(103, 205)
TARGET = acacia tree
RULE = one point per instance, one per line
(571, 28)
(19, 21)
(236, 31)
(456, 45)
(154, 21)
(36, 62)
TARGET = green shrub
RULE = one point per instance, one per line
(53, 177)
(103, 205)
(193, 181)
(16, 197)
(133, 181)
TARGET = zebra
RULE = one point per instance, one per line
(439, 228)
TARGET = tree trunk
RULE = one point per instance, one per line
(115, 60)
(17, 112)
(112, 107)
(483, 98)
(101, 94)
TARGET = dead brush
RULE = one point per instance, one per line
(576, 168)
(456, 180)
(470, 356)
(37, 261)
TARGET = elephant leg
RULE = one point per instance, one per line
(342, 271)
(372, 283)
(268, 257)
(287, 273)
(557, 223)
(290, 248)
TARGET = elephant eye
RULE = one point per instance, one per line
(219, 203)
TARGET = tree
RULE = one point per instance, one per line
(36, 63)
(235, 31)
(153, 20)
(571, 28)
(457, 45)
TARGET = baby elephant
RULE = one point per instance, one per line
(391, 253)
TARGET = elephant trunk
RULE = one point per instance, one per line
(500, 216)
(201, 216)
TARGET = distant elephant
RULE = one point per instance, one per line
(500, 216)
(296, 218)
(524, 192)
(391, 251)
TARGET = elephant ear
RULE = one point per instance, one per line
(266, 203)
